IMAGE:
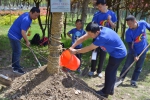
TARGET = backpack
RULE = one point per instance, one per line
(36, 39)
(44, 41)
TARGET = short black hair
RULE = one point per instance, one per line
(78, 20)
(35, 9)
(130, 18)
(92, 27)
(102, 2)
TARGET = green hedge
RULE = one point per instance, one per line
(9, 19)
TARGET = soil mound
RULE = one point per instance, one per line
(38, 84)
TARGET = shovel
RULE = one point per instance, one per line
(35, 57)
(131, 66)
(5, 80)
(85, 71)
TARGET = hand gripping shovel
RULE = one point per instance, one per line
(131, 66)
(35, 57)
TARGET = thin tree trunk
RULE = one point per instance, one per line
(84, 11)
(65, 24)
(54, 46)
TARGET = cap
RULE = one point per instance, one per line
(100, 2)
(130, 17)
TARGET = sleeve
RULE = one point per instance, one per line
(130, 45)
(99, 41)
(71, 31)
(147, 25)
(84, 32)
(128, 37)
(114, 18)
(25, 24)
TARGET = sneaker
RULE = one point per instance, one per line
(91, 74)
(18, 71)
(133, 83)
(99, 75)
(118, 82)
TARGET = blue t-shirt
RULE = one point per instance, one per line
(109, 41)
(23, 22)
(138, 36)
(75, 35)
(101, 18)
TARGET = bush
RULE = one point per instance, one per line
(5, 20)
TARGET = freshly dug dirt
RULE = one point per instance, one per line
(38, 84)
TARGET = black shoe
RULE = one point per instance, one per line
(111, 93)
(102, 94)
(18, 71)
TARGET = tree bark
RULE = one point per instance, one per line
(54, 46)
(84, 11)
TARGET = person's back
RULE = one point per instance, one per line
(110, 43)
(22, 22)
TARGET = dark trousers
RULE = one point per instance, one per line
(138, 66)
(110, 74)
(102, 55)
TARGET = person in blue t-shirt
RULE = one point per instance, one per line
(75, 34)
(109, 41)
(15, 34)
(107, 18)
(137, 41)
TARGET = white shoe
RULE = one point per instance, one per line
(99, 75)
(91, 73)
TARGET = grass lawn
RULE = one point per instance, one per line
(124, 92)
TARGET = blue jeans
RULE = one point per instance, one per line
(138, 66)
(16, 52)
(110, 74)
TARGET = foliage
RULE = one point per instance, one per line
(8, 19)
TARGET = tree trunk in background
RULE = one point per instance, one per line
(123, 25)
(54, 46)
(65, 24)
(84, 10)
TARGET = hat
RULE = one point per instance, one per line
(100, 2)
(130, 17)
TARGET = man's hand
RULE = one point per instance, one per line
(73, 51)
(27, 43)
(136, 58)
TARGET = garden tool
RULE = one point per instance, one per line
(131, 65)
(35, 57)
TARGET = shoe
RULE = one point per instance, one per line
(20, 67)
(133, 83)
(18, 71)
(102, 94)
(91, 74)
(111, 93)
(99, 75)
(118, 82)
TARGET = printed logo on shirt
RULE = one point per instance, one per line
(104, 23)
(77, 35)
(140, 38)
(103, 48)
